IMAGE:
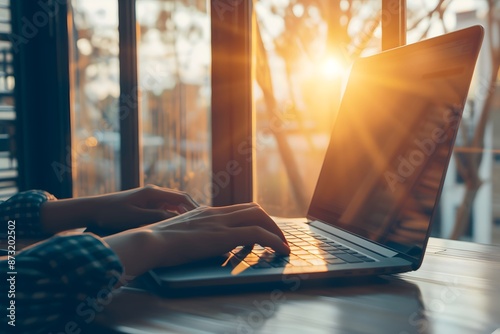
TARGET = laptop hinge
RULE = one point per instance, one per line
(353, 238)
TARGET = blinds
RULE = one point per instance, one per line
(8, 162)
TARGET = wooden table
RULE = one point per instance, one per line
(455, 291)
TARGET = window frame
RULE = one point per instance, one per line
(42, 95)
(393, 23)
(233, 123)
(129, 113)
(231, 103)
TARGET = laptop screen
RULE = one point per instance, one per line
(392, 140)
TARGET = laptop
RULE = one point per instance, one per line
(378, 190)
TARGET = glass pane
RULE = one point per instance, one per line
(469, 203)
(96, 90)
(304, 52)
(174, 78)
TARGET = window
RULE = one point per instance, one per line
(96, 90)
(174, 78)
(235, 106)
(304, 50)
(468, 205)
(8, 160)
(174, 96)
(301, 41)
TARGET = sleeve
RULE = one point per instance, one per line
(24, 209)
(64, 277)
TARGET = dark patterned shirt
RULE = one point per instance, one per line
(57, 284)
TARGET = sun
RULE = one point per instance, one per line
(331, 67)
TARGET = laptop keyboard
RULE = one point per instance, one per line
(307, 249)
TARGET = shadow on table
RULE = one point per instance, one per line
(382, 305)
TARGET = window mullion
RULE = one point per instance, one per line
(130, 138)
(42, 95)
(232, 114)
(393, 23)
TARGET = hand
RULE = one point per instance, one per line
(116, 211)
(141, 206)
(201, 233)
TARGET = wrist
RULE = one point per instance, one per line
(136, 250)
(67, 214)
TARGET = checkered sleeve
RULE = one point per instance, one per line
(61, 280)
(24, 208)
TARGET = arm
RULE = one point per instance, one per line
(63, 279)
(116, 211)
(24, 209)
(67, 214)
(68, 275)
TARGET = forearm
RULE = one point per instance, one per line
(23, 209)
(56, 278)
(66, 214)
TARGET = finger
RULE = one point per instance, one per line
(249, 235)
(252, 216)
(185, 221)
(205, 216)
(239, 215)
(233, 208)
(224, 241)
(215, 215)
(181, 199)
(177, 198)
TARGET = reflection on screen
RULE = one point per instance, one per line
(392, 141)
